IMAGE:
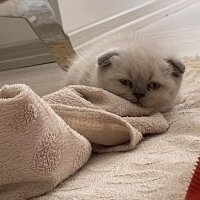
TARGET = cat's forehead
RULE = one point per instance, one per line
(140, 73)
(143, 59)
(144, 71)
(142, 65)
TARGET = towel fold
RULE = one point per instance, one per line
(160, 167)
(44, 141)
(109, 122)
(37, 148)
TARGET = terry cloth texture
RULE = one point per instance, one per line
(159, 168)
(39, 148)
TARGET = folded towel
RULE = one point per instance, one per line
(109, 122)
(159, 168)
(37, 148)
(41, 142)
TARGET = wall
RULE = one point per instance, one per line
(84, 21)
(78, 13)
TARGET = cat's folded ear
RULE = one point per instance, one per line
(104, 60)
(177, 65)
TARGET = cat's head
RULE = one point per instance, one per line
(143, 75)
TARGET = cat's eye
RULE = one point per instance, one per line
(175, 74)
(126, 82)
(153, 86)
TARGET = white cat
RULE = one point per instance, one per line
(128, 66)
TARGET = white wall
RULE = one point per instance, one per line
(76, 14)
(79, 13)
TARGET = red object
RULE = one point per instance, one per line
(193, 192)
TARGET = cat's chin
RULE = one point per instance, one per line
(134, 101)
(159, 108)
(138, 104)
(143, 104)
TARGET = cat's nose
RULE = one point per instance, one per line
(138, 95)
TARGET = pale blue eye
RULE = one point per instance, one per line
(153, 86)
(126, 82)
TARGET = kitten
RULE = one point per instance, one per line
(131, 68)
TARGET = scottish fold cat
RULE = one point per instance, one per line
(131, 68)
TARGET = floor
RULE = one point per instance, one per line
(43, 79)
(179, 32)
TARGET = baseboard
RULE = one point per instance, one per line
(136, 18)
(24, 54)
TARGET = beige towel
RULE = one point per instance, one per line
(38, 149)
(159, 168)
(95, 114)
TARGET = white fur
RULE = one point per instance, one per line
(138, 61)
